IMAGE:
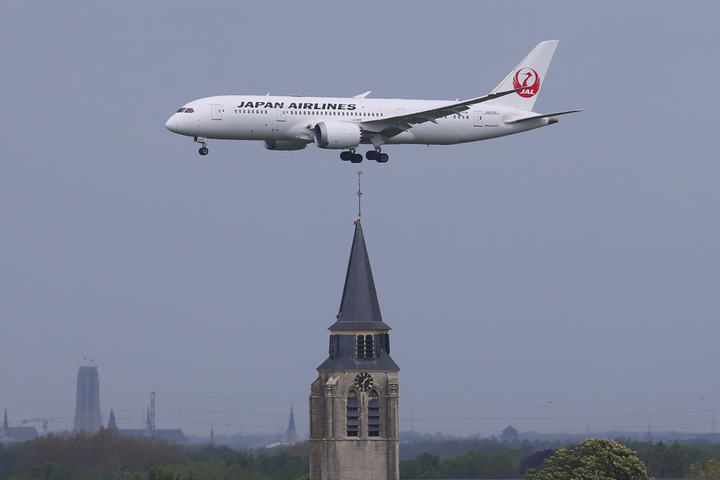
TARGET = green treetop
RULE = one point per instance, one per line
(594, 459)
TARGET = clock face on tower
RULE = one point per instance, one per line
(363, 381)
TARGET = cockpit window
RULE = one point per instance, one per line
(186, 110)
(181, 110)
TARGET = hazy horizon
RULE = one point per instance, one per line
(563, 279)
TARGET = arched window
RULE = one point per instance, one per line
(353, 414)
(374, 414)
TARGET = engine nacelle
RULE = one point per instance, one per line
(337, 135)
(284, 145)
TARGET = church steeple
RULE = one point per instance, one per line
(112, 425)
(291, 434)
(291, 422)
(359, 338)
(359, 306)
(354, 401)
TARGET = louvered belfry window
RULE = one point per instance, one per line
(365, 347)
(333, 345)
(353, 414)
(374, 414)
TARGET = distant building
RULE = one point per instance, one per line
(10, 434)
(87, 405)
(173, 435)
(291, 434)
(648, 436)
(87, 412)
(509, 433)
(112, 425)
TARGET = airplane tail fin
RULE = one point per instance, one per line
(528, 75)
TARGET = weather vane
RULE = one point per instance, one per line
(359, 195)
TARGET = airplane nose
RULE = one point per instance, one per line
(171, 124)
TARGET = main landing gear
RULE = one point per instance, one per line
(203, 150)
(353, 157)
(377, 155)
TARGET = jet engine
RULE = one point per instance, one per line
(283, 145)
(337, 135)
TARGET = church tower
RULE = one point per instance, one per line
(87, 406)
(354, 401)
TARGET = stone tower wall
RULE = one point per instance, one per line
(334, 455)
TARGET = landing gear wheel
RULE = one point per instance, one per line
(377, 155)
(203, 151)
(351, 155)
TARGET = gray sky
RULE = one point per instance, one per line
(563, 279)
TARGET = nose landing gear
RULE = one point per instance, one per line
(203, 150)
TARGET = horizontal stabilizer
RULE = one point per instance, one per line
(545, 115)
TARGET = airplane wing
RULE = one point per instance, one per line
(389, 127)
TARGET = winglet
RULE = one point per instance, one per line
(363, 95)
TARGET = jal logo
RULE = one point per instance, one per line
(528, 80)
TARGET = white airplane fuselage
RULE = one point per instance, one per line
(344, 123)
(250, 117)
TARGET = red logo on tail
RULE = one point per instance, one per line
(528, 80)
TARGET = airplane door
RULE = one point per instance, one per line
(477, 119)
(216, 111)
(280, 115)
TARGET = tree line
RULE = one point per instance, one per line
(494, 459)
(109, 455)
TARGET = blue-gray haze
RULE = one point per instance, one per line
(561, 280)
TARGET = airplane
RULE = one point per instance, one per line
(293, 122)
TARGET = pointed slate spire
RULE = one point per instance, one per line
(359, 317)
(5, 422)
(111, 421)
(359, 307)
(291, 422)
(291, 434)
